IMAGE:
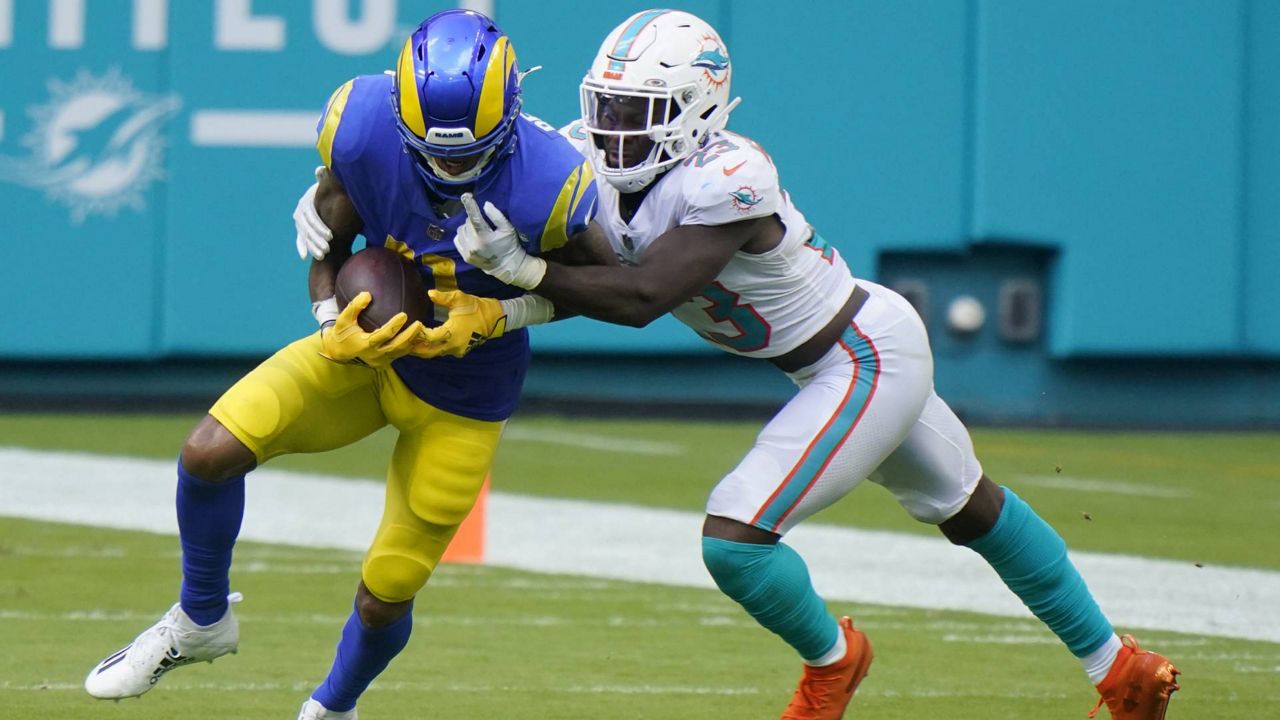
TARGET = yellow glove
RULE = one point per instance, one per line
(472, 321)
(346, 342)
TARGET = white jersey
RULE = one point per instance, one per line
(759, 305)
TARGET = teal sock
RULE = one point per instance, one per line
(1032, 560)
(772, 584)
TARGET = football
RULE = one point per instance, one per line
(393, 281)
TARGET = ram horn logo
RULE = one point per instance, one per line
(96, 146)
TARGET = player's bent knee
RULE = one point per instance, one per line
(394, 577)
(929, 514)
(213, 454)
(377, 613)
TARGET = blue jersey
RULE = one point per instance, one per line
(544, 188)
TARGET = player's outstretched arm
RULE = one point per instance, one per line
(475, 320)
(675, 267)
(589, 247)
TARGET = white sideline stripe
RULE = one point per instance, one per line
(1061, 482)
(254, 128)
(645, 544)
(594, 442)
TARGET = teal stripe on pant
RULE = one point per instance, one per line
(771, 582)
(842, 423)
(1032, 560)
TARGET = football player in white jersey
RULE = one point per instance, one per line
(702, 229)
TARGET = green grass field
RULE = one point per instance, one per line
(495, 643)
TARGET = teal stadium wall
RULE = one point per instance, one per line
(151, 152)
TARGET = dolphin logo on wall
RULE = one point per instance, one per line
(95, 146)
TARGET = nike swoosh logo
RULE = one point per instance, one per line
(729, 171)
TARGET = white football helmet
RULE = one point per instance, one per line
(659, 82)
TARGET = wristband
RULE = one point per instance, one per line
(527, 310)
(325, 311)
(529, 273)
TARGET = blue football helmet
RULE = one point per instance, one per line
(456, 97)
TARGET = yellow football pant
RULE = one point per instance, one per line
(299, 402)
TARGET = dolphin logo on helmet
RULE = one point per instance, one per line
(456, 96)
(712, 60)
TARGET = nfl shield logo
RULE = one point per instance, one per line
(435, 232)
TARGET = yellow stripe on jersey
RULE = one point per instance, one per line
(443, 270)
(489, 111)
(410, 102)
(555, 234)
(333, 116)
(588, 177)
(395, 245)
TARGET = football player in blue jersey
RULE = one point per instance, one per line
(399, 150)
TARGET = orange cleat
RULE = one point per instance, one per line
(824, 692)
(1139, 684)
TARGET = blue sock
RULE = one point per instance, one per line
(209, 516)
(363, 653)
(772, 583)
(1032, 560)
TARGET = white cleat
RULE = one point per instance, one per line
(313, 710)
(172, 642)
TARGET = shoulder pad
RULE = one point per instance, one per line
(557, 192)
(576, 135)
(731, 179)
(348, 117)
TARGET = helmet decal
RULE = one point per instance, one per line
(714, 60)
(622, 48)
(493, 93)
(410, 101)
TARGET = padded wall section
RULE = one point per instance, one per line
(1114, 130)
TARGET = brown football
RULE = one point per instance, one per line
(393, 281)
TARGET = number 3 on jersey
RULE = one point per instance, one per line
(752, 330)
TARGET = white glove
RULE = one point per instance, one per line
(313, 234)
(496, 250)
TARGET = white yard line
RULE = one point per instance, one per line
(606, 443)
(1115, 487)
(646, 544)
